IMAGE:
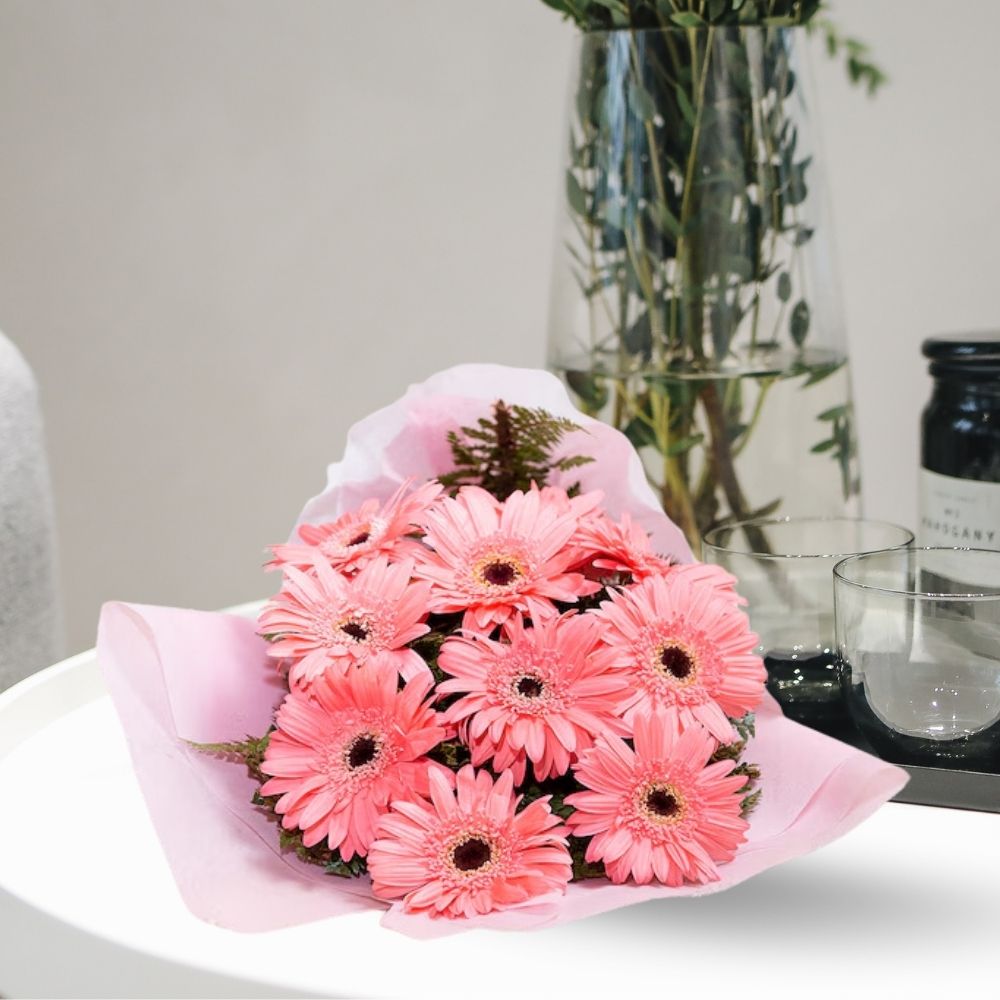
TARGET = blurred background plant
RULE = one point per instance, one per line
(695, 306)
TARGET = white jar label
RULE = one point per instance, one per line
(959, 512)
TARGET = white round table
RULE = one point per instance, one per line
(906, 904)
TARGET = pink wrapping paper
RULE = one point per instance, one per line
(178, 675)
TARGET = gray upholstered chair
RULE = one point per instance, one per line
(30, 622)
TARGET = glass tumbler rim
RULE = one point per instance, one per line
(916, 595)
(768, 522)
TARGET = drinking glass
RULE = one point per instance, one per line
(785, 570)
(918, 637)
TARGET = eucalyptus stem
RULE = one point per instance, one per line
(763, 390)
(683, 251)
(722, 458)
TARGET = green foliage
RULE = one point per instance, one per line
(330, 861)
(728, 751)
(693, 209)
(558, 789)
(609, 15)
(841, 444)
(428, 646)
(582, 868)
(860, 68)
(451, 753)
(354, 868)
(751, 794)
(291, 840)
(750, 802)
(251, 752)
(510, 451)
(746, 726)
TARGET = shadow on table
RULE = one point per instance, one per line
(793, 905)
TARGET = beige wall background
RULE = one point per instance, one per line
(230, 228)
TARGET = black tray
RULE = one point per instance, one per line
(941, 786)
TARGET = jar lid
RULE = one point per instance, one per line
(975, 354)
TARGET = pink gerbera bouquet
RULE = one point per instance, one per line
(493, 685)
(495, 688)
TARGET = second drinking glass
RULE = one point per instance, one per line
(785, 570)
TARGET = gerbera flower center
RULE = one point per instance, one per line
(500, 572)
(677, 661)
(529, 687)
(661, 803)
(355, 630)
(362, 750)
(359, 539)
(472, 854)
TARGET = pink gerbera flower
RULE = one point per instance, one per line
(681, 644)
(468, 851)
(492, 559)
(707, 575)
(611, 548)
(661, 810)
(326, 621)
(359, 536)
(584, 506)
(540, 697)
(342, 751)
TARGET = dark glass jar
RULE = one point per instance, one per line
(960, 454)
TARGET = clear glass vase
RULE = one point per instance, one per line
(694, 303)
